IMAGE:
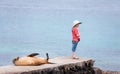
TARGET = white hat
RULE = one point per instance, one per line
(76, 22)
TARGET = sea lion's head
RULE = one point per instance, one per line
(15, 59)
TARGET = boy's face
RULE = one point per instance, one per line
(77, 25)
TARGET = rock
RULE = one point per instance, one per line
(111, 72)
(60, 65)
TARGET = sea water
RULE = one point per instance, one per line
(28, 27)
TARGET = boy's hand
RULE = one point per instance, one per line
(78, 39)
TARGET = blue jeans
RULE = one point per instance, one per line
(74, 45)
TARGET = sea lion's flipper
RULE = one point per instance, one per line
(33, 54)
(47, 56)
(51, 63)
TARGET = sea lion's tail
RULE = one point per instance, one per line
(47, 56)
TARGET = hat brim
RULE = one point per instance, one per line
(77, 23)
(80, 23)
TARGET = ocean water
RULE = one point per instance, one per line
(28, 26)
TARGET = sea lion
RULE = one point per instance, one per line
(30, 60)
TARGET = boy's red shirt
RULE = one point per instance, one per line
(75, 34)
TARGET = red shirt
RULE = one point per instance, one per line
(75, 34)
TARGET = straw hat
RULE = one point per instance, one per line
(76, 22)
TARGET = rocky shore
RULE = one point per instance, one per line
(60, 65)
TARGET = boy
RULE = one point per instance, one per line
(75, 37)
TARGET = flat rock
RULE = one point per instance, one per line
(58, 61)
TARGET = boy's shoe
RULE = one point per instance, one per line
(75, 57)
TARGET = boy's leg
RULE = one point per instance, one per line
(74, 45)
